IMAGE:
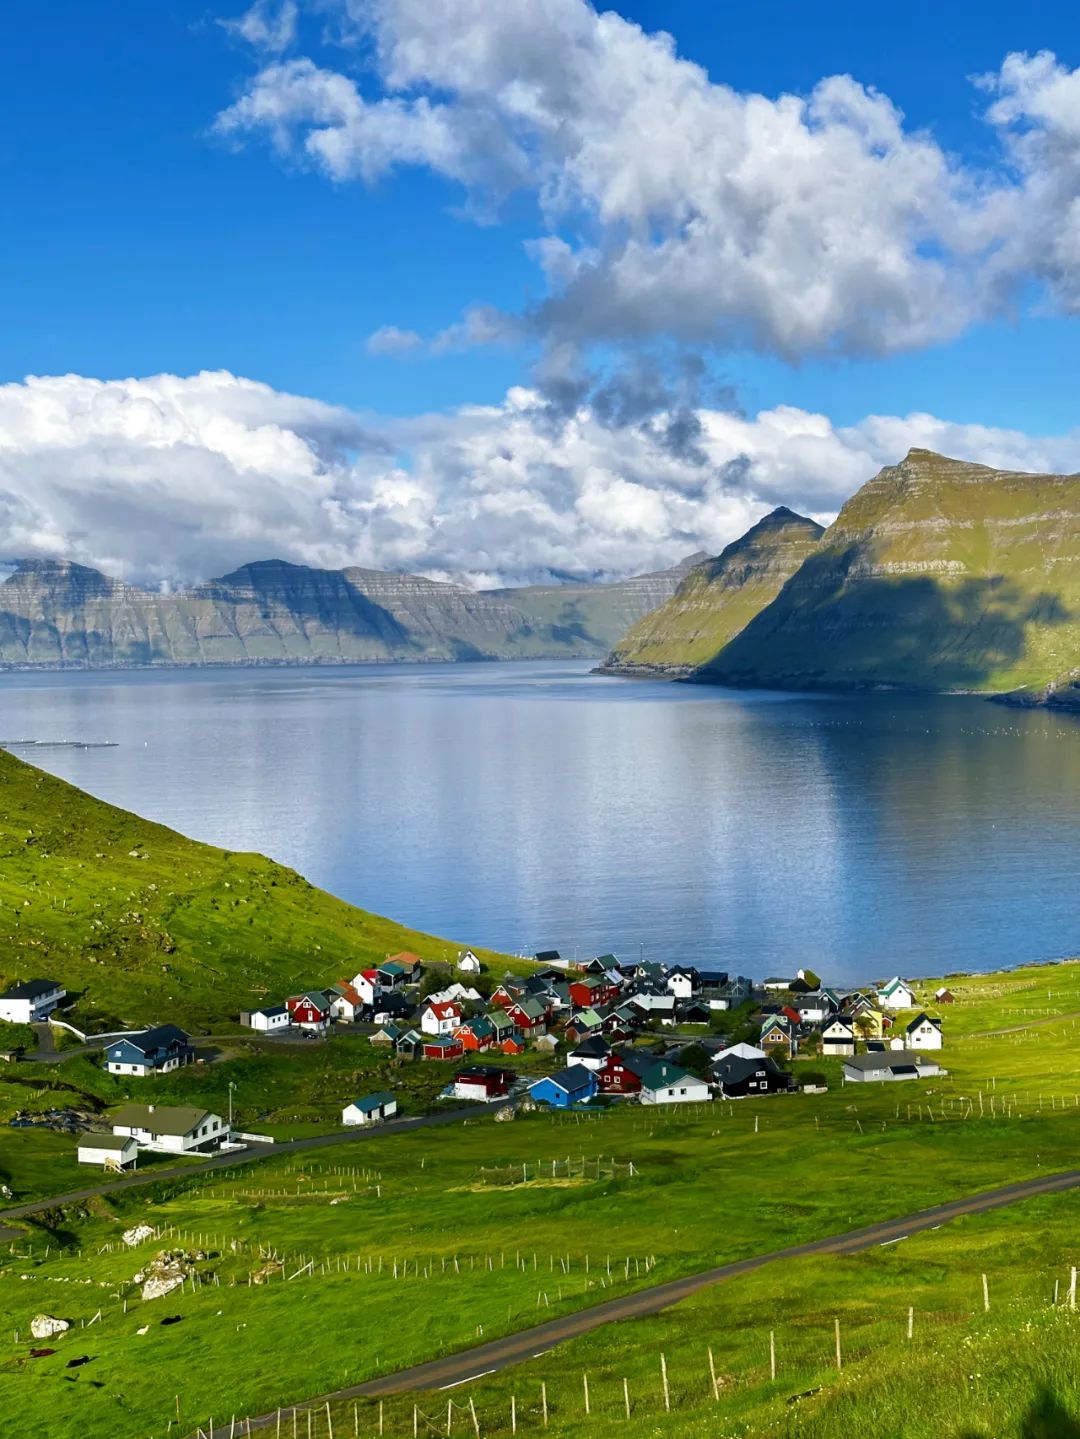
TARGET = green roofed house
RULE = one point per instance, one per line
(665, 1083)
(171, 1128)
(386, 1035)
(372, 1109)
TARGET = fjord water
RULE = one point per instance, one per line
(525, 806)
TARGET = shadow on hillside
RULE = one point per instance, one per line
(1046, 1419)
(826, 630)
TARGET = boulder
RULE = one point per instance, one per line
(159, 1285)
(137, 1234)
(507, 1112)
(45, 1326)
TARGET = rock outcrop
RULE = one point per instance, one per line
(716, 600)
(46, 1326)
(937, 575)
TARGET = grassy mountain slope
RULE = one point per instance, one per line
(717, 599)
(936, 575)
(62, 615)
(152, 926)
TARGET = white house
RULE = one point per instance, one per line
(924, 1032)
(171, 1128)
(885, 1066)
(664, 1083)
(372, 1109)
(30, 1002)
(267, 1021)
(897, 994)
(468, 963)
(366, 984)
(110, 1151)
(681, 983)
(656, 1006)
(440, 1018)
(838, 1036)
(457, 994)
(813, 1008)
(742, 1050)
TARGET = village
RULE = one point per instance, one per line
(596, 1032)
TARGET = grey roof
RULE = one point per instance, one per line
(890, 1059)
(160, 1118)
(105, 1141)
(574, 1077)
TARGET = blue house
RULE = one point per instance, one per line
(153, 1051)
(576, 1085)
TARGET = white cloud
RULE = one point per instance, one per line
(267, 25)
(679, 208)
(390, 340)
(173, 479)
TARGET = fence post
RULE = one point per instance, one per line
(585, 1386)
(543, 1402)
(475, 1421)
(839, 1360)
(626, 1396)
(772, 1354)
(986, 1295)
(663, 1375)
(1072, 1289)
(911, 1321)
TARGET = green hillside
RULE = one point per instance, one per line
(936, 575)
(717, 599)
(151, 926)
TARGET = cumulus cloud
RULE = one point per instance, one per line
(676, 207)
(267, 25)
(171, 479)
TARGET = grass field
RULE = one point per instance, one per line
(144, 925)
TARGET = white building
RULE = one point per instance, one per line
(897, 994)
(109, 1151)
(366, 984)
(267, 1021)
(681, 983)
(468, 963)
(888, 1066)
(924, 1033)
(664, 1083)
(372, 1109)
(440, 1018)
(171, 1129)
(31, 1002)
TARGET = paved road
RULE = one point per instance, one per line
(244, 1156)
(486, 1359)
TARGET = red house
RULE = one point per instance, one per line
(309, 1011)
(530, 1015)
(507, 993)
(476, 1033)
(513, 1045)
(482, 1082)
(616, 1077)
(444, 1047)
(592, 990)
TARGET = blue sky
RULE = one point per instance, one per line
(143, 237)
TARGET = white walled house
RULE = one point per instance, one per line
(171, 1128)
(372, 1109)
(923, 1033)
(680, 982)
(468, 963)
(366, 984)
(838, 1037)
(110, 1151)
(886, 1066)
(31, 1002)
(896, 994)
(266, 1021)
(664, 1083)
(440, 1018)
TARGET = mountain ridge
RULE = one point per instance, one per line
(59, 614)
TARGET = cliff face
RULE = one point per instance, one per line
(936, 575)
(716, 600)
(54, 613)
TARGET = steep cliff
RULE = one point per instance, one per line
(57, 614)
(716, 600)
(936, 575)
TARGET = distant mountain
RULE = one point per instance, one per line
(57, 614)
(936, 575)
(716, 600)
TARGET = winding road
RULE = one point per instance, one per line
(485, 1359)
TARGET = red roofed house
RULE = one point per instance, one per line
(345, 1002)
(366, 984)
(440, 1018)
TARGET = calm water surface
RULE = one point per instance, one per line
(531, 806)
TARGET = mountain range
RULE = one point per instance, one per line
(57, 614)
(937, 575)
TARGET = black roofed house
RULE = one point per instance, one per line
(693, 1012)
(31, 1001)
(591, 1052)
(682, 981)
(890, 1065)
(740, 1077)
(551, 957)
(153, 1051)
(924, 1032)
(838, 1036)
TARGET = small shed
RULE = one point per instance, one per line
(110, 1151)
(372, 1109)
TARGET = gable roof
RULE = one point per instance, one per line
(371, 1102)
(177, 1119)
(594, 1046)
(890, 1059)
(546, 956)
(571, 1079)
(920, 1019)
(31, 989)
(661, 1073)
(149, 1041)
